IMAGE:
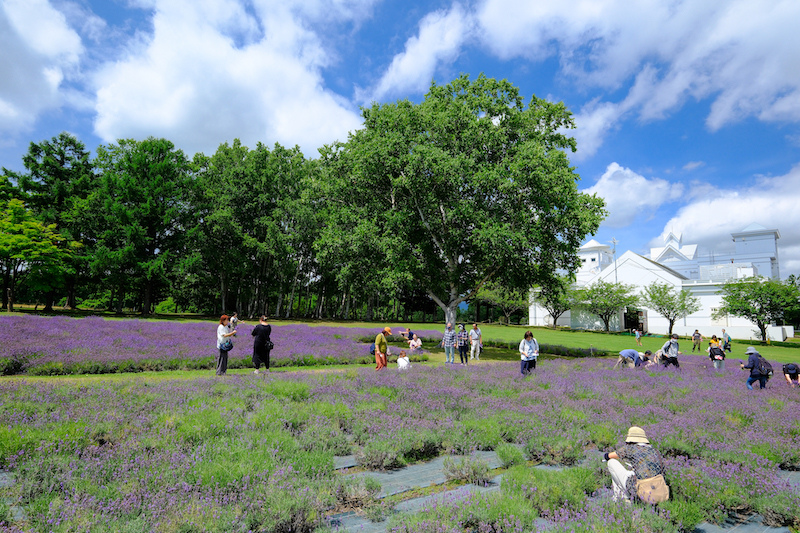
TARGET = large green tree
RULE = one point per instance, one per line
(59, 174)
(762, 301)
(467, 187)
(508, 300)
(142, 212)
(606, 299)
(669, 302)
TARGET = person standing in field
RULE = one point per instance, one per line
(696, 340)
(528, 353)
(449, 343)
(382, 348)
(262, 344)
(475, 342)
(638, 337)
(224, 344)
(462, 339)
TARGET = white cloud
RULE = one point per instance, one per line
(630, 196)
(212, 71)
(772, 202)
(39, 50)
(693, 165)
(441, 35)
(741, 54)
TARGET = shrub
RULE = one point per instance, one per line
(510, 455)
(468, 469)
(550, 490)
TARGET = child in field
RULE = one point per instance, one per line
(403, 362)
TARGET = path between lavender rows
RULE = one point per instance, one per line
(423, 475)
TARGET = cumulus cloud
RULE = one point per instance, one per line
(214, 71)
(441, 35)
(39, 51)
(630, 196)
(740, 54)
(772, 202)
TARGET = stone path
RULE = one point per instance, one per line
(424, 475)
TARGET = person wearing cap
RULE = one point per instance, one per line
(636, 461)
(462, 339)
(752, 366)
(382, 348)
(631, 357)
(449, 344)
(671, 351)
(697, 339)
(475, 342)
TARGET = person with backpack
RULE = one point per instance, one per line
(671, 350)
(717, 355)
(645, 479)
(759, 368)
(791, 371)
(726, 341)
(382, 348)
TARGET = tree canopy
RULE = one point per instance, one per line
(606, 299)
(760, 300)
(669, 303)
(467, 187)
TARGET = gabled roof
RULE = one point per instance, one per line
(642, 263)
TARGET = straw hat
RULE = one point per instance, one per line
(637, 434)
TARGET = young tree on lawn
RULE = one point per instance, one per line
(557, 297)
(669, 302)
(607, 299)
(29, 250)
(762, 301)
(467, 187)
(509, 301)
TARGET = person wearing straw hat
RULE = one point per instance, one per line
(646, 479)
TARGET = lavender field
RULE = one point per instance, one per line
(61, 345)
(254, 453)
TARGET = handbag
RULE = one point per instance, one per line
(270, 345)
(653, 490)
(226, 346)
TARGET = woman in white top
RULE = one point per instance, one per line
(528, 353)
(224, 344)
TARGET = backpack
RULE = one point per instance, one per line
(764, 368)
(716, 353)
(372, 349)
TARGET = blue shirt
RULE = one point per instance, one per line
(633, 355)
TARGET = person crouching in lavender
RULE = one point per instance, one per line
(646, 479)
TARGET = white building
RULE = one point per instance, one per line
(682, 267)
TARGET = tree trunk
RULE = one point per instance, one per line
(10, 293)
(147, 302)
(49, 297)
(71, 298)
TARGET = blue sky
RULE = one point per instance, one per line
(687, 112)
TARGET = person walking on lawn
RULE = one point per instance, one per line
(449, 343)
(475, 342)
(696, 340)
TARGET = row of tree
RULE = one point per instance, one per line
(469, 192)
(762, 301)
